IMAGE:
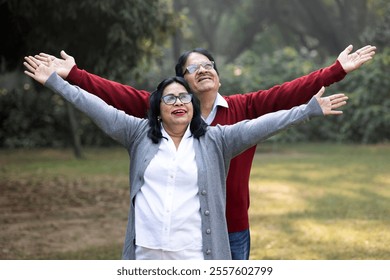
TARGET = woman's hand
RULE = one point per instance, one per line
(329, 103)
(39, 70)
(62, 65)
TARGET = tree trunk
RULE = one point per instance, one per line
(177, 37)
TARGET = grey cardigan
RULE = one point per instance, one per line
(213, 153)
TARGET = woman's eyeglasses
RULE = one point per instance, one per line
(171, 99)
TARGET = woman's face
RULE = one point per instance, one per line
(178, 115)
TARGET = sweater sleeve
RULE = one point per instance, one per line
(126, 98)
(115, 123)
(247, 133)
(286, 95)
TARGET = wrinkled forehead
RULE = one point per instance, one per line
(196, 58)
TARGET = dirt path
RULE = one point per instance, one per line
(39, 219)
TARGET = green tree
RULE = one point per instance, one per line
(228, 28)
(108, 38)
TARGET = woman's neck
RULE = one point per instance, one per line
(176, 133)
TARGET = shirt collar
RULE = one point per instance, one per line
(186, 135)
(220, 101)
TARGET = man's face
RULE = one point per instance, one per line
(202, 81)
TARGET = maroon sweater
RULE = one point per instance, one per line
(241, 106)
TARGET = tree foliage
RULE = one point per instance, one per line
(107, 37)
(257, 44)
(369, 109)
(326, 26)
(263, 43)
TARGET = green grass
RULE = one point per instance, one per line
(320, 202)
(308, 201)
(54, 162)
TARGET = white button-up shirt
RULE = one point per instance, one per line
(167, 208)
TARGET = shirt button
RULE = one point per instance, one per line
(203, 192)
(208, 231)
(207, 212)
(208, 252)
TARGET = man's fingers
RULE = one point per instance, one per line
(365, 59)
(366, 49)
(348, 49)
(64, 55)
(362, 49)
(45, 57)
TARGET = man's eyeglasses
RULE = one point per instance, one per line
(192, 68)
(171, 99)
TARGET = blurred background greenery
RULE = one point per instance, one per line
(309, 201)
(256, 43)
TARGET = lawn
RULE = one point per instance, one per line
(308, 201)
(321, 202)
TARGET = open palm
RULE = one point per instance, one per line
(331, 102)
(352, 61)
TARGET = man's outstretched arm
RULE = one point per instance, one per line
(302, 89)
(133, 101)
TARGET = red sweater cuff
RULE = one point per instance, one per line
(338, 72)
(74, 75)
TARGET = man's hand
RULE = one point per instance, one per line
(352, 61)
(331, 102)
(61, 65)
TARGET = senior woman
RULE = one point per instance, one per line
(179, 164)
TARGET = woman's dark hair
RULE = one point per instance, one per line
(197, 127)
(183, 59)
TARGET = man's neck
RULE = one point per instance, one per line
(206, 103)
